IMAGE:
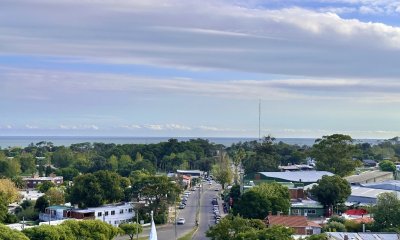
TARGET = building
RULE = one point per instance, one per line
(393, 185)
(366, 196)
(307, 208)
(369, 163)
(369, 177)
(296, 167)
(298, 178)
(32, 182)
(299, 223)
(31, 195)
(192, 173)
(113, 214)
(362, 236)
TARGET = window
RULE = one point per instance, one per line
(116, 222)
(311, 211)
(99, 214)
(296, 212)
(121, 211)
(112, 212)
(130, 210)
(106, 213)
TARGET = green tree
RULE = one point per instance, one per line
(334, 153)
(7, 233)
(387, 211)
(3, 207)
(91, 229)
(45, 186)
(272, 233)
(63, 157)
(67, 173)
(27, 162)
(252, 204)
(87, 191)
(387, 165)
(331, 190)
(131, 229)
(41, 203)
(11, 192)
(113, 163)
(334, 227)
(258, 201)
(238, 156)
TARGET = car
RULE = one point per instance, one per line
(216, 221)
(216, 189)
(209, 183)
(182, 206)
(180, 221)
(193, 189)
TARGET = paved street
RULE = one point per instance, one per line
(206, 212)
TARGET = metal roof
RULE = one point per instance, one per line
(299, 176)
(363, 236)
(393, 185)
(366, 195)
(366, 176)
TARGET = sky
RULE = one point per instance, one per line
(189, 68)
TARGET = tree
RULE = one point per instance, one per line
(387, 166)
(258, 201)
(45, 186)
(387, 211)
(334, 153)
(10, 191)
(238, 228)
(91, 229)
(87, 191)
(67, 173)
(131, 229)
(27, 162)
(237, 157)
(222, 170)
(56, 196)
(48, 232)
(331, 190)
(3, 207)
(41, 203)
(334, 227)
(7, 233)
(253, 204)
(63, 157)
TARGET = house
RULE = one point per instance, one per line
(31, 195)
(113, 214)
(366, 196)
(32, 182)
(362, 236)
(298, 178)
(192, 173)
(369, 163)
(369, 177)
(299, 223)
(307, 208)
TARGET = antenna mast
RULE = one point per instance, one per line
(259, 119)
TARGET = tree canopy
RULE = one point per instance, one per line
(331, 190)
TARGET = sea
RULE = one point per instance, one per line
(24, 141)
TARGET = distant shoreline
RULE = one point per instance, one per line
(24, 141)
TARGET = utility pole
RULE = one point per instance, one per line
(259, 120)
(176, 234)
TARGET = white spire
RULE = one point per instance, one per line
(153, 232)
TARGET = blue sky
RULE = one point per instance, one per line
(199, 68)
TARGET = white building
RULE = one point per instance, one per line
(114, 214)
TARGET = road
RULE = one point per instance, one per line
(206, 210)
(206, 216)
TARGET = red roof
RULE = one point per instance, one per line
(356, 212)
(288, 221)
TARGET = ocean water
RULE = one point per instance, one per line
(24, 141)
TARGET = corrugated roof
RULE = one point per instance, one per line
(386, 185)
(368, 192)
(363, 236)
(300, 176)
(288, 221)
(366, 176)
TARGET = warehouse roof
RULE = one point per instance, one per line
(366, 176)
(386, 185)
(299, 176)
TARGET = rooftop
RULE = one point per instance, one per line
(366, 176)
(190, 171)
(363, 236)
(368, 192)
(306, 204)
(386, 185)
(291, 221)
(298, 176)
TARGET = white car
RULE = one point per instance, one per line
(180, 221)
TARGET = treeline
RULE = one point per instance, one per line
(122, 158)
(337, 153)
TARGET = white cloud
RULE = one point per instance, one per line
(79, 127)
(290, 41)
(31, 126)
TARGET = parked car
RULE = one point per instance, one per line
(182, 206)
(180, 221)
